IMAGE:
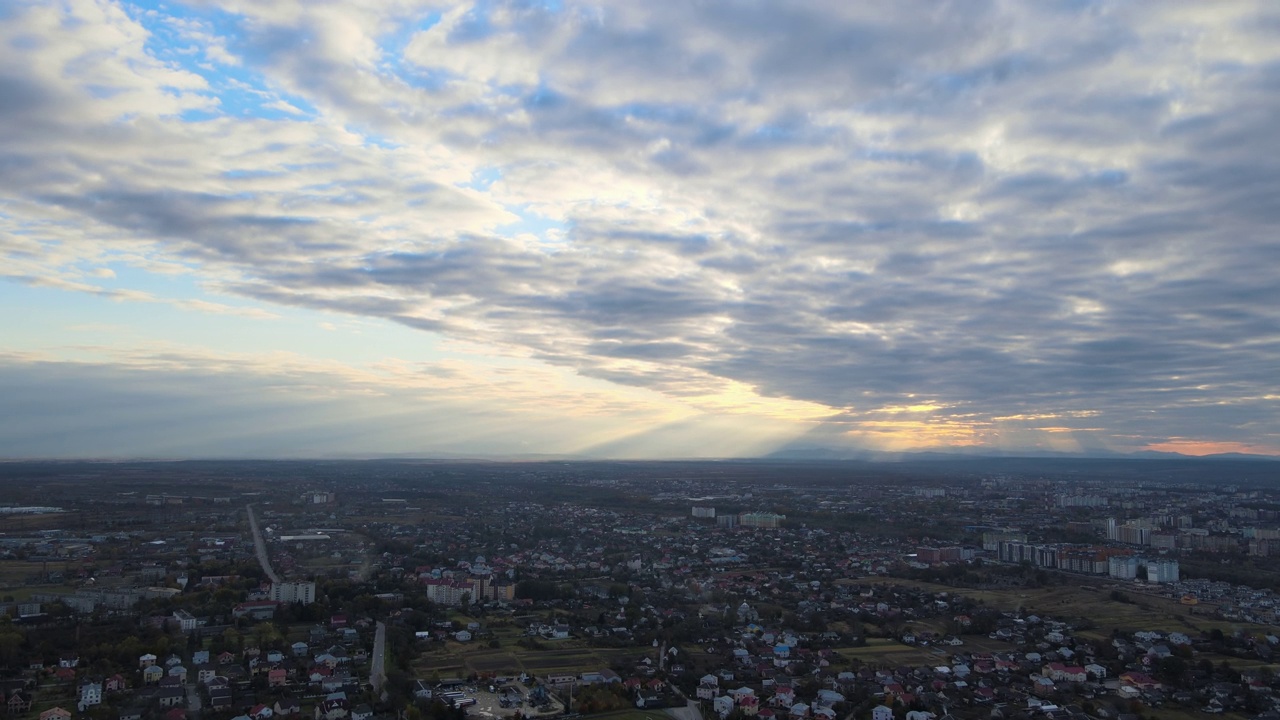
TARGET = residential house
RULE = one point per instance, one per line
(287, 706)
(829, 698)
(90, 695)
(707, 691)
(171, 696)
(18, 702)
(220, 697)
(1042, 686)
(333, 708)
(1064, 673)
(171, 681)
(256, 610)
(1139, 680)
(881, 712)
(55, 713)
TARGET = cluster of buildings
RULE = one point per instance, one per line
(1090, 560)
(756, 606)
(455, 590)
(744, 519)
(251, 684)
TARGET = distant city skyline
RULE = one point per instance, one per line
(638, 230)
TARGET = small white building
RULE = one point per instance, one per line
(186, 621)
(90, 695)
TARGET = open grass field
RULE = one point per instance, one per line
(23, 594)
(19, 524)
(886, 652)
(633, 715)
(14, 572)
(465, 658)
(1093, 602)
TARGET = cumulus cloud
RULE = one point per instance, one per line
(1036, 224)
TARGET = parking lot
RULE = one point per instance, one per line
(505, 701)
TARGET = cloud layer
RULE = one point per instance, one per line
(911, 223)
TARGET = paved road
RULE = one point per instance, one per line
(193, 700)
(377, 662)
(260, 546)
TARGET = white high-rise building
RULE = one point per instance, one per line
(1162, 571)
(1122, 567)
(294, 592)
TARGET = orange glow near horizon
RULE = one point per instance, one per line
(1209, 447)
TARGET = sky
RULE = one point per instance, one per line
(290, 228)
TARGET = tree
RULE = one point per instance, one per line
(266, 634)
(1172, 669)
(10, 643)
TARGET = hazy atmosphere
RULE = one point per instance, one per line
(633, 229)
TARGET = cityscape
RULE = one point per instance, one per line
(609, 360)
(792, 590)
